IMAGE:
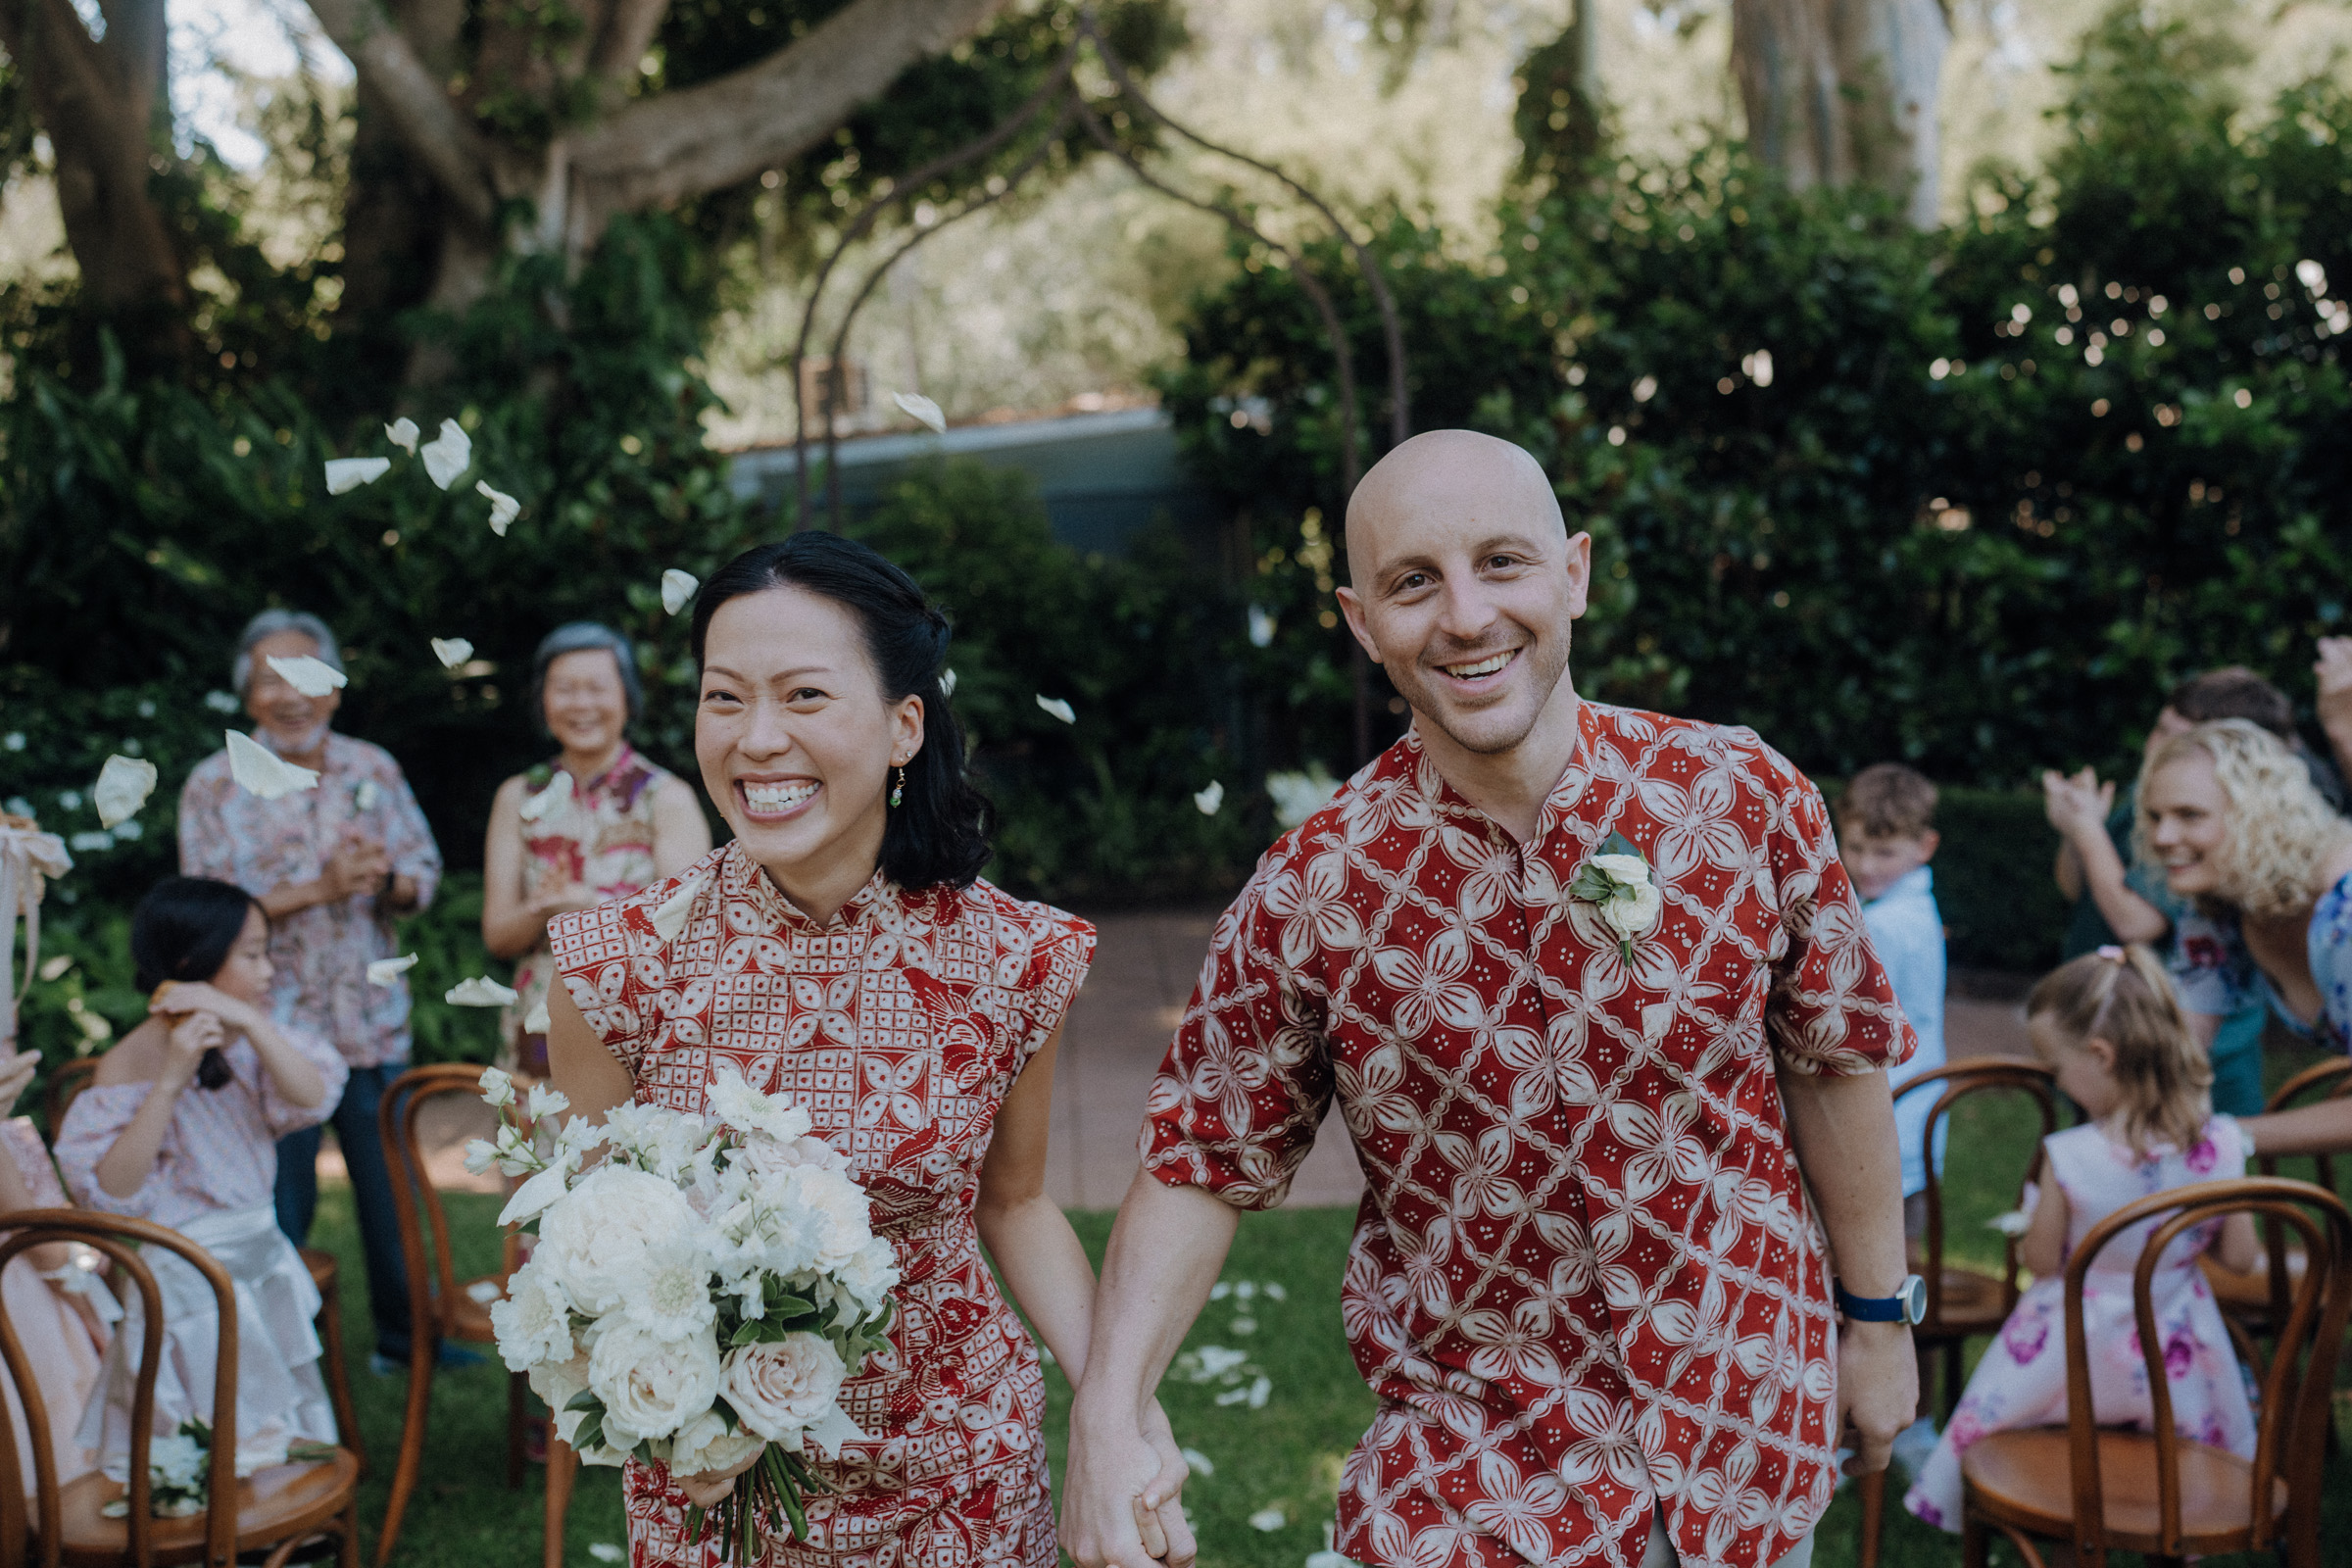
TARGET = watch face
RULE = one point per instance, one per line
(1913, 1294)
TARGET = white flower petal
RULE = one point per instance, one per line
(384, 972)
(447, 454)
(349, 473)
(1058, 708)
(313, 678)
(538, 1022)
(946, 683)
(484, 1291)
(452, 651)
(1198, 1462)
(1259, 1392)
(503, 507)
(122, 787)
(669, 915)
(677, 590)
(498, 1089)
(1209, 798)
(479, 992)
(923, 408)
(605, 1551)
(2014, 1223)
(261, 771)
(533, 1197)
(554, 797)
(402, 433)
(1269, 1519)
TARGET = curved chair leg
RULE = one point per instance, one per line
(1873, 1490)
(562, 1467)
(518, 1420)
(425, 1353)
(338, 1377)
(1953, 1381)
(1974, 1539)
(347, 1551)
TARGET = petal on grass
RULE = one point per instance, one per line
(122, 787)
(402, 433)
(605, 1551)
(480, 991)
(1268, 1520)
(677, 590)
(1058, 708)
(1198, 1462)
(452, 651)
(1209, 798)
(384, 972)
(447, 454)
(313, 678)
(503, 507)
(261, 772)
(349, 473)
(924, 410)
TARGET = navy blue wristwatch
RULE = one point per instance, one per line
(1908, 1303)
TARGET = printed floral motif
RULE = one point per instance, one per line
(2215, 973)
(1586, 1279)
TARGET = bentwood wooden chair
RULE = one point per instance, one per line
(272, 1513)
(65, 1086)
(2256, 1300)
(443, 1308)
(1963, 1301)
(2166, 1497)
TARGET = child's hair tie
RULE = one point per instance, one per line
(2112, 954)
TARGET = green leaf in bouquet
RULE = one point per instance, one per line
(586, 1401)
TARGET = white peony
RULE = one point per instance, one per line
(597, 1244)
(705, 1445)
(746, 1110)
(782, 1389)
(833, 1211)
(533, 1322)
(765, 1156)
(651, 1386)
(560, 1383)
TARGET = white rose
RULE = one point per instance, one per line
(705, 1445)
(1634, 911)
(782, 1389)
(748, 1110)
(595, 1242)
(651, 1386)
(533, 1322)
(1626, 870)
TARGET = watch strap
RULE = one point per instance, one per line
(1872, 1308)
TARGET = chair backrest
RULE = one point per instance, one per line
(66, 1085)
(432, 1280)
(1974, 1075)
(2295, 1408)
(2327, 1080)
(115, 1236)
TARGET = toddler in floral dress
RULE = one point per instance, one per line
(2111, 1028)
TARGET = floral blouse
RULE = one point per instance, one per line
(598, 835)
(220, 1152)
(322, 953)
(2216, 974)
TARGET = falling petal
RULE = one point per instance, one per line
(479, 992)
(122, 787)
(402, 433)
(385, 971)
(1198, 1462)
(503, 507)
(1259, 1392)
(946, 683)
(349, 473)
(923, 408)
(262, 771)
(605, 1551)
(556, 796)
(1058, 708)
(538, 1021)
(2014, 1223)
(1261, 626)
(313, 678)
(1275, 1291)
(677, 588)
(1209, 798)
(1269, 1519)
(447, 454)
(670, 916)
(483, 1292)
(452, 651)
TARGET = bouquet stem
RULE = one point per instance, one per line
(773, 1489)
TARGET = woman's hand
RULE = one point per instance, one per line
(197, 998)
(710, 1488)
(190, 1039)
(563, 901)
(16, 1073)
(2079, 805)
(358, 866)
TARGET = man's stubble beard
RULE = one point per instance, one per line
(1551, 680)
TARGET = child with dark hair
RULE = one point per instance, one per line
(180, 1127)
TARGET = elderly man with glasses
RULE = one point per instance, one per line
(333, 867)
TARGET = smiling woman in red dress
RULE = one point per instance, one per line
(841, 951)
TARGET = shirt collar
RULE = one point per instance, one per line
(748, 879)
(1413, 760)
(1917, 883)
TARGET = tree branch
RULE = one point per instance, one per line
(430, 125)
(627, 33)
(681, 144)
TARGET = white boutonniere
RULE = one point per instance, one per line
(1617, 883)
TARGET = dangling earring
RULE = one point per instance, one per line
(898, 791)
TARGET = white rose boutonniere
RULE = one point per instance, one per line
(1617, 883)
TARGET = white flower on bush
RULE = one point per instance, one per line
(746, 1110)
(533, 1321)
(651, 1386)
(703, 1444)
(782, 1389)
(674, 1300)
(598, 1248)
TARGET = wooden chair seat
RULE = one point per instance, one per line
(1971, 1304)
(2026, 1479)
(284, 1502)
(469, 1319)
(2248, 1295)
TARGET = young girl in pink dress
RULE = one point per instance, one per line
(57, 1309)
(180, 1127)
(2111, 1028)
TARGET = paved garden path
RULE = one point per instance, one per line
(1119, 1028)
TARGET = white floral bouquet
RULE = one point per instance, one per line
(698, 1297)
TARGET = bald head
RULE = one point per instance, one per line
(1441, 478)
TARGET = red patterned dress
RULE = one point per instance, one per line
(900, 1025)
(1585, 1282)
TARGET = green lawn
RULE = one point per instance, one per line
(1285, 1455)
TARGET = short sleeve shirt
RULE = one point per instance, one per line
(1585, 1281)
(2215, 973)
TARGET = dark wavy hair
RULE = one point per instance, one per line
(939, 835)
(184, 930)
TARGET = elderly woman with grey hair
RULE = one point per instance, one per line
(597, 822)
(332, 867)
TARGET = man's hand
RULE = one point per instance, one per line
(1121, 1494)
(1878, 1390)
(358, 866)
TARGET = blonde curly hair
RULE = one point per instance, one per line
(2280, 828)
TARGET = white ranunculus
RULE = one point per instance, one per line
(733, 1100)
(651, 1386)
(673, 1300)
(1634, 911)
(782, 1389)
(703, 1444)
(598, 1243)
(533, 1322)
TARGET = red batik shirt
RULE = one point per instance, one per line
(1585, 1281)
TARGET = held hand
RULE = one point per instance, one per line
(16, 1073)
(1877, 1389)
(1112, 1467)
(709, 1489)
(1159, 1512)
(2077, 806)
(2334, 670)
(358, 867)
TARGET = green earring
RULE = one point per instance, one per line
(898, 791)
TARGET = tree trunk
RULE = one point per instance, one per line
(1839, 90)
